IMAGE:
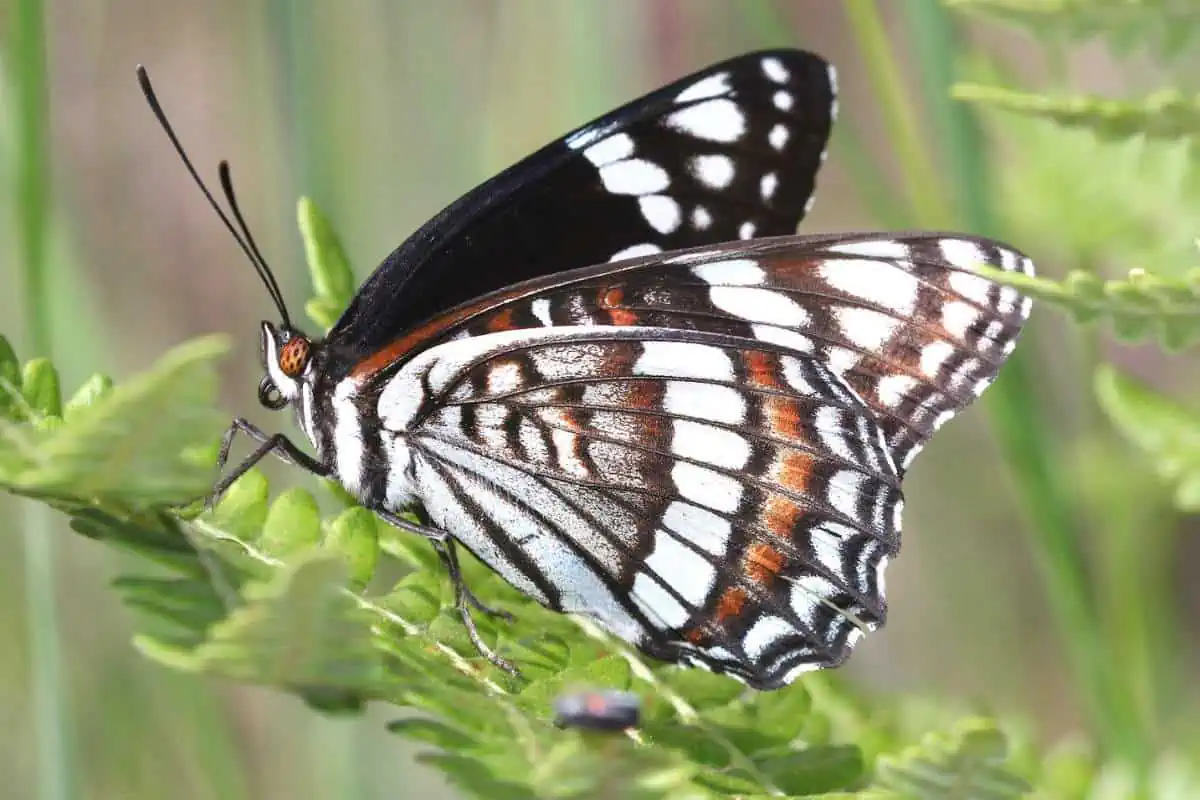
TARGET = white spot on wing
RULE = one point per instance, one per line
(892, 389)
(826, 541)
(734, 272)
(841, 359)
(828, 423)
(711, 86)
(972, 287)
(794, 373)
(798, 670)
(699, 526)
(808, 594)
(778, 136)
(705, 401)
(701, 219)
(961, 253)
(1009, 300)
(881, 574)
(710, 444)
(875, 281)
(690, 574)
(833, 88)
(661, 212)
(957, 318)
(659, 605)
(715, 120)
(934, 355)
(872, 248)
(634, 176)
(746, 230)
(532, 442)
(715, 171)
(541, 311)
(759, 305)
(615, 148)
(767, 185)
(503, 377)
(865, 327)
(633, 251)
(684, 360)
(845, 487)
(707, 487)
(774, 69)
(763, 633)
(783, 337)
(783, 100)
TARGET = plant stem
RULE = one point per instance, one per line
(921, 182)
(1025, 435)
(32, 198)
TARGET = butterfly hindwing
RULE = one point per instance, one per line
(729, 152)
(707, 498)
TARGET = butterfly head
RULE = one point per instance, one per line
(288, 358)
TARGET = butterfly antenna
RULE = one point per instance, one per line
(264, 271)
(246, 242)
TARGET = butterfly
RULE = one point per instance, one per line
(617, 376)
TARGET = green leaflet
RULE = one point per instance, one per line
(969, 763)
(1141, 306)
(354, 535)
(1167, 26)
(1168, 433)
(299, 629)
(1168, 114)
(135, 445)
(333, 281)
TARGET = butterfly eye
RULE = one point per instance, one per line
(293, 358)
(269, 395)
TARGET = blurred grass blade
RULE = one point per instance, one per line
(922, 185)
(27, 49)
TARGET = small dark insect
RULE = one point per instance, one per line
(615, 374)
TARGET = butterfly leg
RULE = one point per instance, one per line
(277, 443)
(443, 543)
(449, 557)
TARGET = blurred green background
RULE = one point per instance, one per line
(385, 111)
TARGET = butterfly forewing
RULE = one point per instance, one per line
(707, 498)
(727, 153)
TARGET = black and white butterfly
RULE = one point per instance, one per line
(615, 375)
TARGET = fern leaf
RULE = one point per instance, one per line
(1168, 433)
(1141, 306)
(299, 630)
(1164, 25)
(138, 445)
(1169, 114)
(967, 763)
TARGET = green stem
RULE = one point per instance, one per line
(1025, 434)
(921, 183)
(32, 198)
